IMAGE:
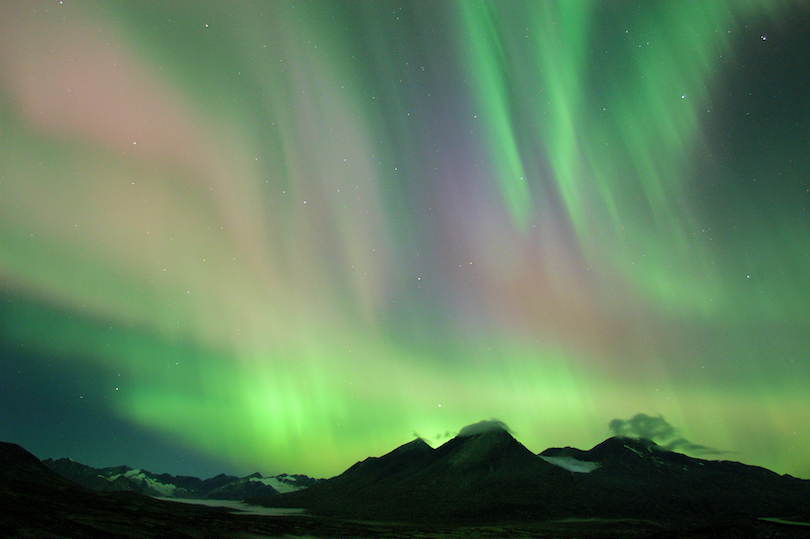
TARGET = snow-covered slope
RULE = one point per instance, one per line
(163, 489)
(284, 482)
(168, 486)
(571, 464)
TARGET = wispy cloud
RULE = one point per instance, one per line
(659, 430)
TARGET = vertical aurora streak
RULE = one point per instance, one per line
(290, 235)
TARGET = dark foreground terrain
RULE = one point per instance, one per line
(37, 503)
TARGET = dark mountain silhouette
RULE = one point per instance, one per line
(471, 475)
(491, 477)
(643, 478)
(36, 502)
(481, 483)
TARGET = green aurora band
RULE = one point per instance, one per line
(295, 234)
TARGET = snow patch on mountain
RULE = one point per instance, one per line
(137, 475)
(279, 482)
(571, 464)
(634, 450)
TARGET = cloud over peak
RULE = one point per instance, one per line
(487, 425)
(660, 431)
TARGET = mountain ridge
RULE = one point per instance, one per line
(222, 487)
(36, 502)
(489, 476)
(456, 490)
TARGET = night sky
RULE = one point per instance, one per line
(284, 236)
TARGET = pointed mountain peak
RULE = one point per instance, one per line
(410, 457)
(417, 445)
(627, 451)
(621, 444)
(484, 448)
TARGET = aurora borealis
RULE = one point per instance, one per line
(286, 236)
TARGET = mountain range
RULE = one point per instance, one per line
(483, 482)
(36, 502)
(221, 487)
(486, 476)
